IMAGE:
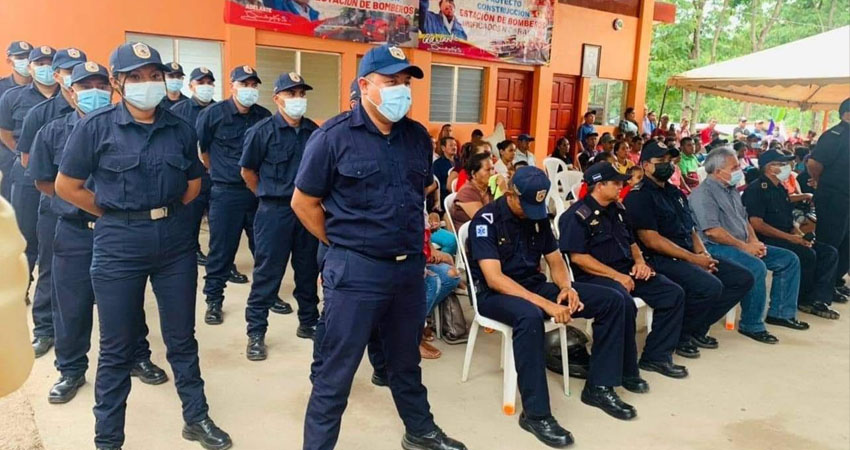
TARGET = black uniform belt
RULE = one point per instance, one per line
(221, 185)
(149, 214)
(396, 258)
(79, 222)
(282, 200)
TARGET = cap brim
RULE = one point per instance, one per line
(248, 77)
(207, 75)
(673, 152)
(393, 69)
(88, 75)
(160, 66)
(534, 211)
(306, 87)
(69, 64)
(621, 177)
(782, 159)
(19, 52)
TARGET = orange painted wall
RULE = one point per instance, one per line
(96, 28)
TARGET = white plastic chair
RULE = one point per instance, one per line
(575, 190)
(701, 173)
(454, 185)
(553, 166)
(509, 384)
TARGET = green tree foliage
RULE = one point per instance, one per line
(742, 24)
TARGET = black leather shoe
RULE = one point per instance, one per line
(792, 323)
(635, 384)
(256, 350)
(838, 297)
(666, 368)
(214, 316)
(380, 379)
(202, 258)
(546, 431)
(819, 309)
(65, 389)
(41, 345)
(236, 277)
(148, 373)
(108, 448)
(281, 307)
(705, 341)
(306, 332)
(761, 336)
(687, 350)
(606, 399)
(207, 434)
(435, 440)
(843, 290)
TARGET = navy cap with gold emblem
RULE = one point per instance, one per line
(290, 80)
(132, 55)
(67, 58)
(387, 60)
(242, 73)
(87, 70)
(200, 73)
(173, 68)
(17, 48)
(531, 184)
(41, 52)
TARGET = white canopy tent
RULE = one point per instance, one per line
(811, 73)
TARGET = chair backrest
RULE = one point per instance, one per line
(554, 196)
(438, 183)
(448, 205)
(555, 230)
(462, 235)
(553, 166)
(575, 190)
(701, 173)
(569, 267)
(454, 185)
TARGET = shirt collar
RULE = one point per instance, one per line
(359, 118)
(718, 184)
(447, 23)
(306, 124)
(34, 88)
(231, 108)
(594, 205)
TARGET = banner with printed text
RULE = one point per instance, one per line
(513, 31)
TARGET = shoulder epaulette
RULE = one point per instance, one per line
(584, 212)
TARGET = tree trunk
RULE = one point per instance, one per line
(721, 22)
(774, 16)
(695, 112)
(699, 11)
(831, 18)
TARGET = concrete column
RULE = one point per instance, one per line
(239, 48)
(637, 86)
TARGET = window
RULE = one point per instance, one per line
(608, 99)
(190, 53)
(456, 94)
(320, 70)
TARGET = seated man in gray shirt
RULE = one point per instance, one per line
(722, 222)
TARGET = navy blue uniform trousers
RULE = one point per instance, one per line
(833, 229)
(73, 299)
(232, 209)
(42, 303)
(708, 296)
(128, 253)
(612, 320)
(25, 200)
(198, 206)
(363, 294)
(818, 266)
(277, 234)
(667, 301)
(7, 159)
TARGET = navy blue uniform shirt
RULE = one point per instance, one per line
(45, 156)
(40, 115)
(496, 233)
(770, 202)
(168, 103)
(134, 166)
(274, 150)
(372, 185)
(833, 151)
(6, 83)
(221, 133)
(589, 228)
(662, 209)
(189, 110)
(14, 106)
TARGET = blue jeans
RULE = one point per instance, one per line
(438, 284)
(783, 291)
(446, 240)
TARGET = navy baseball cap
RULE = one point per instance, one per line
(242, 73)
(354, 93)
(17, 48)
(67, 58)
(525, 137)
(844, 106)
(132, 55)
(86, 70)
(173, 68)
(201, 72)
(655, 149)
(753, 137)
(604, 171)
(387, 60)
(773, 156)
(531, 184)
(289, 81)
(45, 51)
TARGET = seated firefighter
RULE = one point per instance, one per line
(507, 240)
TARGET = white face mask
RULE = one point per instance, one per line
(784, 173)
(295, 107)
(247, 96)
(204, 92)
(145, 96)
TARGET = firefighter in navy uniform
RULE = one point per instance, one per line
(144, 167)
(660, 216)
(603, 251)
(273, 151)
(828, 167)
(173, 84)
(360, 189)
(17, 54)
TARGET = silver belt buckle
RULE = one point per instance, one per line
(400, 258)
(159, 213)
(90, 225)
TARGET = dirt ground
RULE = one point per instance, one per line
(745, 395)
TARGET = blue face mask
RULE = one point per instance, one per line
(66, 80)
(44, 75)
(204, 92)
(145, 96)
(736, 177)
(295, 107)
(21, 66)
(247, 96)
(91, 99)
(173, 84)
(395, 102)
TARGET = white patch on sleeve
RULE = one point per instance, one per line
(488, 217)
(481, 231)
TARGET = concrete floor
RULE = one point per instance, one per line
(746, 395)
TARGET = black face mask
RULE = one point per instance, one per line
(663, 171)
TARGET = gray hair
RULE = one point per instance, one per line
(717, 158)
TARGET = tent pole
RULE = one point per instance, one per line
(663, 100)
(825, 123)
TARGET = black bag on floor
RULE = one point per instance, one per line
(452, 321)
